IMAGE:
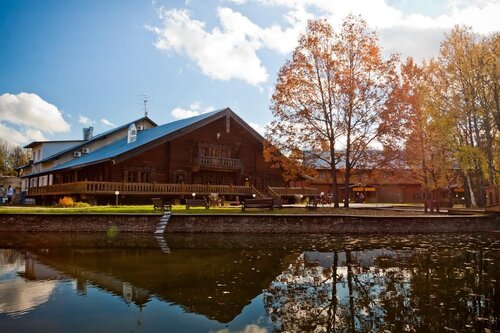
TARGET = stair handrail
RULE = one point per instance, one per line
(257, 192)
(273, 193)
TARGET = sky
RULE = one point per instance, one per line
(66, 65)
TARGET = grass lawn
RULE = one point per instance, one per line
(181, 209)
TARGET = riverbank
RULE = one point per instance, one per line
(249, 223)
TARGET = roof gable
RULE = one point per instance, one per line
(155, 135)
(144, 137)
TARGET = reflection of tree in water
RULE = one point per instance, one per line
(424, 285)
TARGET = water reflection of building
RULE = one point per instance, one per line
(24, 283)
(215, 283)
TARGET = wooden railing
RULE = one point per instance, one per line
(91, 187)
(293, 191)
(219, 162)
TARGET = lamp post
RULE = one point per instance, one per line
(193, 194)
(253, 195)
(301, 198)
(117, 193)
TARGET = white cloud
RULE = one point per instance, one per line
(29, 110)
(194, 106)
(408, 33)
(258, 127)
(107, 123)
(180, 113)
(417, 43)
(19, 138)
(252, 328)
(482, 15)
(194, 110)
(224, 53)
(238, 2)
(84, 120)
(230, 49)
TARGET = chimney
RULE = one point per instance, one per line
(88, 133)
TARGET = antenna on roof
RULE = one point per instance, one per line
(145, 101)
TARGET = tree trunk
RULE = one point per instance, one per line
(332, 310)
(351, 291)
(347, 175)
(473, 202)
(347, 192)
(335, 191)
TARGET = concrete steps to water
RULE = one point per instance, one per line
(160, 228)
(162, 243)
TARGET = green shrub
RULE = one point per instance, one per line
(80, 204)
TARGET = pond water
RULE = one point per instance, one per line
(249, 283)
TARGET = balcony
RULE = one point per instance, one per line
(219, 163)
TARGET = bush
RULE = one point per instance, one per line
(66, 202)
(80, 204)
(214, 199)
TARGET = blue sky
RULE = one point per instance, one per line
(69, 64)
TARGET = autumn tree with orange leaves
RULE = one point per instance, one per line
(333, 102)
(427, 144)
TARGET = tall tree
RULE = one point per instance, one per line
(17, 157)
(11, 157)
(469, 88)
(331, 101)
(4, 153)
(307, 124)
(427, 149)
(364, 83)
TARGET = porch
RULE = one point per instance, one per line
(143, 189)
(157, 189)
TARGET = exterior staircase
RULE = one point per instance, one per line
(160, 228)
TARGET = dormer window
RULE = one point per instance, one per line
(132, 133)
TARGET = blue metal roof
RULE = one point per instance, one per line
(121, 146)
(94, 138)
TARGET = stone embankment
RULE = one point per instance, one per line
(251, 223)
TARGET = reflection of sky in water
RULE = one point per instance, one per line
(17, 295)
(96, 310)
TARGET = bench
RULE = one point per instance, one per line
(258, 203)
(159, 204)
(196, 203)
(312, 205)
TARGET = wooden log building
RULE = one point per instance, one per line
(215, 152)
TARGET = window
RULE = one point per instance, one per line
(145, 177)
(180, 176)
(419, 196)
(132, 133)
(214, 150)
(132, 176)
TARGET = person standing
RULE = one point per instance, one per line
(3, 192)
(10, 194)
